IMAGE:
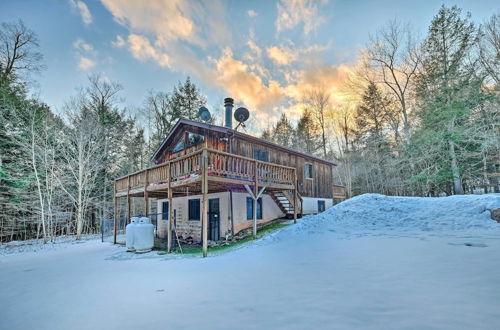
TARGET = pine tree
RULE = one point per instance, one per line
(447, 88)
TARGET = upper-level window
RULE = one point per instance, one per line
(194, 139)
(260, 154)
(180, 146)
(308, 170)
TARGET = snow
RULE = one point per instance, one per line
(372, 262)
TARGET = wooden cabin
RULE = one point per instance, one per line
(211, 182)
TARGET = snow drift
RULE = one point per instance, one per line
(375, 214)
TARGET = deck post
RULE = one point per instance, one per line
(146, 194)
(128, 200)
(255, 192)
(115, 212)
(295, 204)
(204, 214)
(170, 213)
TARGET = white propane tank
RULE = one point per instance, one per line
(130, 233)
(144, 235)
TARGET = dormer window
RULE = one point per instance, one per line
(180, 146)
(195, 139)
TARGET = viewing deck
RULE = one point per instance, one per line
(222, 170)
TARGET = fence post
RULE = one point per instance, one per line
(115, 213)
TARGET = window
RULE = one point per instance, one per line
(250, 208)
(321, 206)
(164, 211)
(260, 154)
(308, 172)
(194, 209)
(179, 146)
(195, 139)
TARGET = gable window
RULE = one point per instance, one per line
(195, 139)
(194, 209)
(308, 170)
(250, 208)
(164, 210)
(260, 154)
(180, 146)
(321, 206)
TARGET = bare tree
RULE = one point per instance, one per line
(489, 48)
(83, 159)
(18, 49)
(317, 100)
(393, 54)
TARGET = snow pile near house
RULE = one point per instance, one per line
(374, 214)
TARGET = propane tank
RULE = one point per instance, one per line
(144, 235)
(130, 234)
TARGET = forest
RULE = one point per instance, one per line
(421, 117)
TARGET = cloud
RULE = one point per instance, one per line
(282, 55)
(82, 45)
(141, 49)
(198, 50)
(292, 13)
(83, 10)
(238, 80)
(85, 63)
(252, 13)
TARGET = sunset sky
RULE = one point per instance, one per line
(262, 53)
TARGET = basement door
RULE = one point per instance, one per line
(213, 219)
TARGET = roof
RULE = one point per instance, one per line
(221, 129)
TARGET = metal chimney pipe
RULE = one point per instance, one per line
(228, 104)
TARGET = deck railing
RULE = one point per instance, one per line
(219, 164)
(339, 191)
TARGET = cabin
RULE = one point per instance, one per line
(210, 182)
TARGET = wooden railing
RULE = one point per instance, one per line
(219, 164)
(339, 191)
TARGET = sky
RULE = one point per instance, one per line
(264, 54)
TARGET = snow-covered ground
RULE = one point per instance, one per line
(372, 262)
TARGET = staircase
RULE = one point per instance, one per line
(284, 199)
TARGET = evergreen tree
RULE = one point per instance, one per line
(447, 90)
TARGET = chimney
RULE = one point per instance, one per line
(228, 104)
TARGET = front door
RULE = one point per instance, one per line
(213, 219)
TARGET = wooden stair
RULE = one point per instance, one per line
(284, 198)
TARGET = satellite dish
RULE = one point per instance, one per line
(204, 114)
(241, 115)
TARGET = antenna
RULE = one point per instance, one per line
(241, 115)
(204, 114)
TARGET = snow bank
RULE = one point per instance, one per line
(37, 245)
(374, 214)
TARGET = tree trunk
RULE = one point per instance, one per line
(457, 180)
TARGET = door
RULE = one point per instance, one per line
(213, 219)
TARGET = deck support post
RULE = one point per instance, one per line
(256, 178)
(295, 204)
(146, 194)
(128, 200)
(115, 213)
(204, 190)
(255, 198)
(170, 213)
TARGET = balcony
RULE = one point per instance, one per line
(221, 169)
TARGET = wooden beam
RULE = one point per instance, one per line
(170, 213)
(295, 204)
(128, 200)
(146, 195)
(115, 212)
(256, 177)
(204, 187)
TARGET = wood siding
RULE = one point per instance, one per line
(319, 186)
